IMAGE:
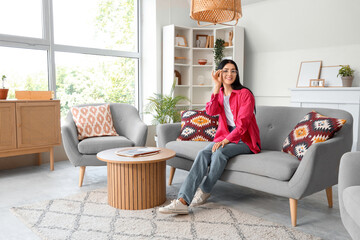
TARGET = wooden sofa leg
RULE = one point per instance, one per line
(172, 172)
(81, 176)
(293, 211)
(329, 197)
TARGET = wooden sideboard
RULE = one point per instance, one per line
(29, 126)
(345, 98)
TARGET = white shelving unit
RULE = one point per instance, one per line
(196, 83)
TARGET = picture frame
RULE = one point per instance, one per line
(203, 40)
(329, 73)
(180, 41)
(308, 70)
(317, 83)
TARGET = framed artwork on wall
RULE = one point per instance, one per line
(329, 73)
(308, 70)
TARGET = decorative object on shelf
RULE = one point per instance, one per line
(180, 41)
(200, 80)
(177, 77)
(317, 83)
(218, 51)
(202, 40)
(346, 74)
(163, 107)
(308, 70)
(3, 91)
(216, 11)
(202, 61)
(329, 73)
(231, 36)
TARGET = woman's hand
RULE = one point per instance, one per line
(216, 76)
(220, 144)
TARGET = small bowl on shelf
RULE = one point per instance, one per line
(202, 61)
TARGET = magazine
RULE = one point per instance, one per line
(136, 152)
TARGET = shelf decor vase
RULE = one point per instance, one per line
(3, 93)
(347, 81)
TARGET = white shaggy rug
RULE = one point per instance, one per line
(88, 216)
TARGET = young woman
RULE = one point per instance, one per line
(237, 133)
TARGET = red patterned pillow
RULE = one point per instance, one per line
(197, 126)
(313, 128)
(93, 121)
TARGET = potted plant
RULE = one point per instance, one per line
(163, 108)
(346, 74)
(218, 51)
(3, 90)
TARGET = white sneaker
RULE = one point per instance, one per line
(199, 198)
(175, 207)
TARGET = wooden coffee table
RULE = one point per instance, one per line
(136, 183)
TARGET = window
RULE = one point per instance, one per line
(93, 57)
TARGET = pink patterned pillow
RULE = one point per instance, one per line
(93, 121)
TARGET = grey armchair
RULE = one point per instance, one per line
(349, 193)
(132, 132)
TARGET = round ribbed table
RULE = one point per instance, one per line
(136, 183)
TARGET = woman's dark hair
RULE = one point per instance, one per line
(236, 85)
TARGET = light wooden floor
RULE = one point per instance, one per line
(33, 184)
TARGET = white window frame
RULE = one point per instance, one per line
(47, 43)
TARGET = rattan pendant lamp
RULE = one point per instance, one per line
(216, 11)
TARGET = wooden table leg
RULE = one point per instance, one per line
(52, 159)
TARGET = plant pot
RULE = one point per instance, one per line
(347, 81)
(3, 93)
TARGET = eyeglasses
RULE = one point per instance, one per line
(234, 72)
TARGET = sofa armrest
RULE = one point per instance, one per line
(349, 170)
(319, 167)
(167, 132)
(70, 142)
(139, 133)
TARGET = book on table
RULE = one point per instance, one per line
(137, 152)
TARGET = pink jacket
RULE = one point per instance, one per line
(242, 104)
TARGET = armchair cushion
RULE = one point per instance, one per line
(313, 128)
(97, 144)
(351, 199)
(93, 121)
(197, 126)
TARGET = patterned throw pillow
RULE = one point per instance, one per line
(93, 121)
(197, 126)
(313, 128)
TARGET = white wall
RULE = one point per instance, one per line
(279, 34)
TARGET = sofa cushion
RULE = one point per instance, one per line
(351, 198)
(97, 144)
(313, 128)
(93, 121)
(272, 164)
(197, 126)
(186, 149)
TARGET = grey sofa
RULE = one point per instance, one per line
(273, 171)
(349, 193)
(132, 132)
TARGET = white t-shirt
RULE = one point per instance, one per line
(228, 113)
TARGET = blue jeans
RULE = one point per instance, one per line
(217, 162)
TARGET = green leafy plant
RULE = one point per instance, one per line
(345, 71)
(3, 78)
(163, 107)
(218, 51)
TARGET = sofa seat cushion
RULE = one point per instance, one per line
(97, 144)
(351, 198)
(272, 164)
(186, 149)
